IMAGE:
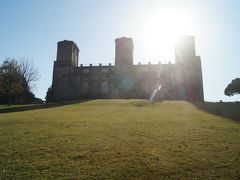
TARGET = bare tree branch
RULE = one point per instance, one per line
(29, 72)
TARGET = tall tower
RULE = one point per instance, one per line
(124, 51)
(67, 53)
(189, 70)
(124, 82)
(67, 60)
(185, 49)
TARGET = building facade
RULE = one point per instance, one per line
(179, 81)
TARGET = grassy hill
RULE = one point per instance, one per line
(120, 139)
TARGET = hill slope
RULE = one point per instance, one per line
(121, 139)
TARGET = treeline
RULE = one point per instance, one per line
(17, 79)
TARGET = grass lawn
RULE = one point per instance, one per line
(120, 139)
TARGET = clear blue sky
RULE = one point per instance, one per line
(32, 28)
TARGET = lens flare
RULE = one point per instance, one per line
(163, 29)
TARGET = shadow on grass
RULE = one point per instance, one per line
(10, 109)
(230, 110)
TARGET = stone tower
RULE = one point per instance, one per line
(67, 53)
(189, 70)
(124, 62)
(185, 50)
(63, 72)
(123, 51)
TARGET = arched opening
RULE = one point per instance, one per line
(85, 88)
(95, 88)
(104, 87)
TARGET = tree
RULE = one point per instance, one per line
(30, 77)
(49, 96)
(11, 80)
(17, 81)
(29, 72)
(233, 88)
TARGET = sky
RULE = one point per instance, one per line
(31, 29)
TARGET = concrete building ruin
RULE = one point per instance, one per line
(180, 81)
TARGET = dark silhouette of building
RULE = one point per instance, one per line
(180, 81)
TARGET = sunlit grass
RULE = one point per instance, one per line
(120, 139)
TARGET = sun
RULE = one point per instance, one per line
(162, 30)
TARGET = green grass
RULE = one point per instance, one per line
(120, 139)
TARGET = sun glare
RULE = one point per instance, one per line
(162, 31)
